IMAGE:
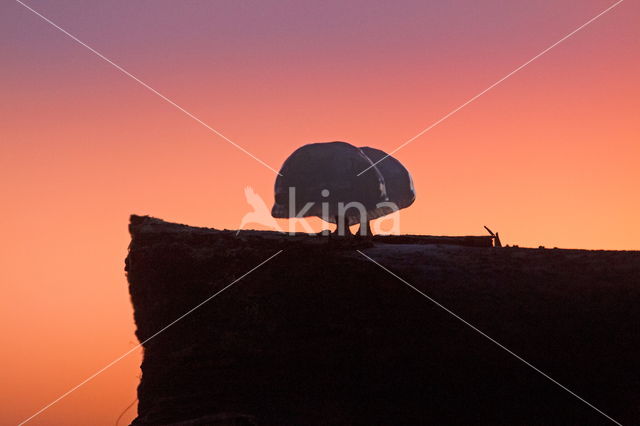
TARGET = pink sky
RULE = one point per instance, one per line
(548, 157)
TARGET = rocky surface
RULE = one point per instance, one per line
(319, 335)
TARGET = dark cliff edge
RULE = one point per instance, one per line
(319, 335)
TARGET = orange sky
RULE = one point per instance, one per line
(549, 157)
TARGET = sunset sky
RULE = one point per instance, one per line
(551, 156)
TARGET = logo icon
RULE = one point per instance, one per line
(261, 214)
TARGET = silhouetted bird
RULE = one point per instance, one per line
(321, 179)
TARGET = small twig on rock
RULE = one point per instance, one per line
(496, 237)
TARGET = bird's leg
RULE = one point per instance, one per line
(342, 228)
(365, 228)
(347, 230)
(338, 224)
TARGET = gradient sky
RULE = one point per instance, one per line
(549, 157)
